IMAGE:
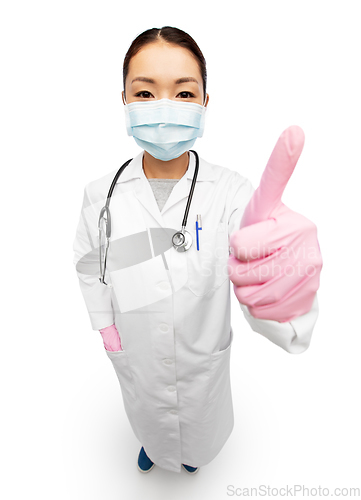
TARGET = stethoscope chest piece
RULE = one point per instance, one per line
(182, 240)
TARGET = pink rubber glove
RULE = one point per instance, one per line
(275, 260)
(111, 338)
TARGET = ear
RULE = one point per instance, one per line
(207, 100)
(123, 98)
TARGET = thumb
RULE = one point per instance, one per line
(277, 173)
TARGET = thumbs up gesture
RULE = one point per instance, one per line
(275, 260)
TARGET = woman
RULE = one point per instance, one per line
(165, 318)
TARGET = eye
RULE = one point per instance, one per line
(143, 93)
(186, 95)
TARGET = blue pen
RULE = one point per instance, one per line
(198, 227)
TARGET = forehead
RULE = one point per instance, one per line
(162, 60)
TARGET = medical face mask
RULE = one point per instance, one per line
(165, 128)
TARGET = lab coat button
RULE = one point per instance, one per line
(164, 328)
(164, 285)
(168, 361)
(171, 388)
(173, 412)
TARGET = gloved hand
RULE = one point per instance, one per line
(275, 260)
(111, 338)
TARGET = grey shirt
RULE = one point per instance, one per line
(162, 189)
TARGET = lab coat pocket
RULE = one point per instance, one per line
(219, 370)
(207, 266)
(219, 404)
(121, 366)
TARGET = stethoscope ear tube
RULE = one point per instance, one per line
(106, 219)
(182, 240)
(190, 196)
(108, 228)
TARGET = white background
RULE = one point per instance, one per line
(271, 64)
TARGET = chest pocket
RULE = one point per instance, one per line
(207, 267)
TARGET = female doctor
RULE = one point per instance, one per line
(181, 229)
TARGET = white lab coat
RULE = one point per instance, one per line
(172, 309)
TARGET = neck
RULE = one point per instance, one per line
(159, 169)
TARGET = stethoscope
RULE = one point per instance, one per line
(182, 240)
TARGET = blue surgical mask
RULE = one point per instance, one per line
(165, 128)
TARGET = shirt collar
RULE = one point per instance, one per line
(135, 169)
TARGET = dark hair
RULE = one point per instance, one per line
(171, 35)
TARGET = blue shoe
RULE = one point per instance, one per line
(144, 462)
(189, 469)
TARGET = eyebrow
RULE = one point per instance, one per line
(185, 79)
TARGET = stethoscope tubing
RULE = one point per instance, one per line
(106, 211)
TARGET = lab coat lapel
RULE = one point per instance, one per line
(142, 189)
(182, 188)
(146, 197)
